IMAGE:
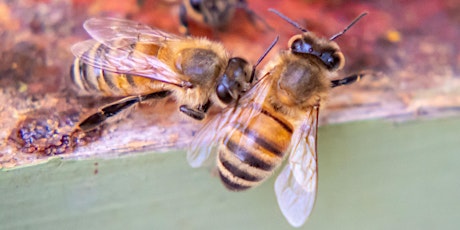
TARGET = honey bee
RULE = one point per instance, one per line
(214, 13)
(277, 119)
(131, 60)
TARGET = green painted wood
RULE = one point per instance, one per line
(373, 175)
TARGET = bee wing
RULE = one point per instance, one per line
(125, 59)
(118, 51)
(206, 140)
(296, 185)
(212, 133)
(258, 92)
(115, 32)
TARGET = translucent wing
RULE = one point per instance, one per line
(296, 185)
(122, 46)
(115, 33)
(204, 143)
(258, 92)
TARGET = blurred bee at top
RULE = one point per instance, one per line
(131, 60)
(277, 118)
(214, 13)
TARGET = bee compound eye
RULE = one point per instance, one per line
(296, 45)
(223, 94)
(300, 46)
(331, 60)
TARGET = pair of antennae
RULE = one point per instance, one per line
(296, 25)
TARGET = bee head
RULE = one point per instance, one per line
(328, 52)
(235, 80)
(308, 44)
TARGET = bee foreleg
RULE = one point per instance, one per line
(198, 113)
(113, 109)
(183, 20)
(347, 80)
(195, 114)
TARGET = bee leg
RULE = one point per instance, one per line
(197, 114)
(183, 20)
(156, 95)
(205, 107)
(113, 109)
(98, 118)
(252, 16)
(347, 80)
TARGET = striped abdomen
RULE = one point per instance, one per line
(252, 151)
(94, 80)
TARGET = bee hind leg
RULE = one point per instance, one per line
(115, 108)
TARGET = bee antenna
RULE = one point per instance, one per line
(267, 51)
(348, 27)
(253, 73)
(290, 21)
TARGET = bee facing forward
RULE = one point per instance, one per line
(277, 118)
(131, 60)
(214, 13)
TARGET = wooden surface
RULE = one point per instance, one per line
(373, 175)
(411, 50)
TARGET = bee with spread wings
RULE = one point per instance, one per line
(131, 60)
(276, 119)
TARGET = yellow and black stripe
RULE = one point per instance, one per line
(252, 151)
(93, 80)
